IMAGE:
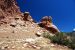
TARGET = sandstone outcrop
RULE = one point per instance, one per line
(9, 6)
(8, 11)
(46, 23)
(27, 17)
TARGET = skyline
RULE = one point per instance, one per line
(62, 12)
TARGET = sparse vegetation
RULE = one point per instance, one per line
(61, 39)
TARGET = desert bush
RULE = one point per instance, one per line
(61, 39)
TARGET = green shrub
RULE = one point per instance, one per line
(61, 39)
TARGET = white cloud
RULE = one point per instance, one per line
(74, 29)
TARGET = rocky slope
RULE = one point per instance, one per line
(18, 31)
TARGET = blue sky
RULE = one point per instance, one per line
(62, 11)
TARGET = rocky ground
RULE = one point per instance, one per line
(38, 43)
(24, 38)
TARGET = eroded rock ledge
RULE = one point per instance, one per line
(46, 22)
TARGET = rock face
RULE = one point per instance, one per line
(9, 6)
(46, 23)
(8, 10)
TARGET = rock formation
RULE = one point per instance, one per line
(9, 6)
(18, 30)
(8, 10)
(46, 23)
(27, 17)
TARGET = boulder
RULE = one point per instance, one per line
(46, 23)
(27, 17)
(38, 33)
